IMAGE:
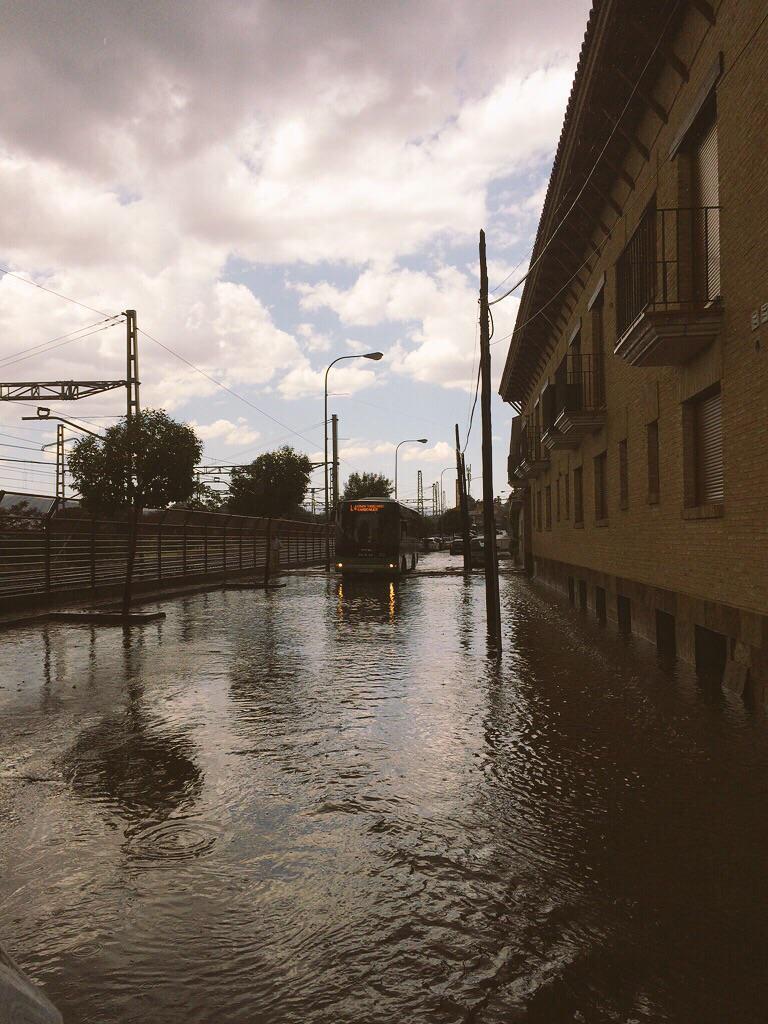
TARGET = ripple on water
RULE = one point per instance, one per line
(176, 839)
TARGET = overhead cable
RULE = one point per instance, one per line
(60, 295)
(595, 165)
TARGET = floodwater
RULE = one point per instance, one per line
(324, 805)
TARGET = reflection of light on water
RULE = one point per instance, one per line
(340, 601)
(391, 602)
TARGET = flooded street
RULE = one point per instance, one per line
(324, 804)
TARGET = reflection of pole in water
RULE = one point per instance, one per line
(46, 662)
(391, 602)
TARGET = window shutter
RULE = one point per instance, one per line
(708, 195)
(709, 453)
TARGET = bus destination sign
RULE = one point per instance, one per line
(365, 508)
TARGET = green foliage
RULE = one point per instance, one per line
(367, 485)
(149, 463)
(20, 517)
(204, 498)
(273, 485)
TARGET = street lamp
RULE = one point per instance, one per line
(376, 356)
(408, 440)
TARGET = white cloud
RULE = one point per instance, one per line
(227, 432)
(302, 380)
(237, 136)
(441, 309)
(440, 452)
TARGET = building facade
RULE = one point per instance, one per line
(639, 366)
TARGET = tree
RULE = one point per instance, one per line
(367, 485)
(273, 485)
(204, 498)
(147, 462)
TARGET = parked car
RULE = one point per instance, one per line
(457, 546)
(477, 548)
(431, 544)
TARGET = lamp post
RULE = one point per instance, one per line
(357, 355)
(408, 440)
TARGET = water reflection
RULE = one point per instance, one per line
(367, 820)
(134, 766)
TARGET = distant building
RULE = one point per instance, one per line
(640, 367)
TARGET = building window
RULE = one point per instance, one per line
(636, 271)
(703, 474)
(538, 509)
(601, 486)
(598, 358)
(623, 475)
(652, 435)
(557, 500)
(549, 506)
(707, 192)
(567, 482)
(578, 496)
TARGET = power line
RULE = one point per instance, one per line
(42, 287)
(229, 390)
(477, 387)
(594, 167)
(10, 358)
(23, 447)
(740, 54)
(540, 310)
(28, 462)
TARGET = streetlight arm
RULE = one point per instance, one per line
(354, 355)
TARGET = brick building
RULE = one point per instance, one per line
(640, 363)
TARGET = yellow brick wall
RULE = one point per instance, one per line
(718, 559)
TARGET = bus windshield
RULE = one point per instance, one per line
(368, 528)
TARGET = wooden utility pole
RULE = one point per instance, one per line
(335, 459)
(464, 507)
(492, 604)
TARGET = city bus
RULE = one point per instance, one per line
(376, 535)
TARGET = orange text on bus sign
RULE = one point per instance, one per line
(365, 508)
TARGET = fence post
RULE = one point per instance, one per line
(268, 551)
(184, 546)
(160, 549)
(48, 553)
(93, 552)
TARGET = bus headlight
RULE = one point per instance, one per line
(339, 565)
(391, 565)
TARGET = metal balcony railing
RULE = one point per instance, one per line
(578, 387)
(533, 450)
(671, 263)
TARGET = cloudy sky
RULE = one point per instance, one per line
(271, 184)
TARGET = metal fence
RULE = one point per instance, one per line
(68, 550)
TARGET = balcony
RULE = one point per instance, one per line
(574, 406)
(534, 457)
(668, 287)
